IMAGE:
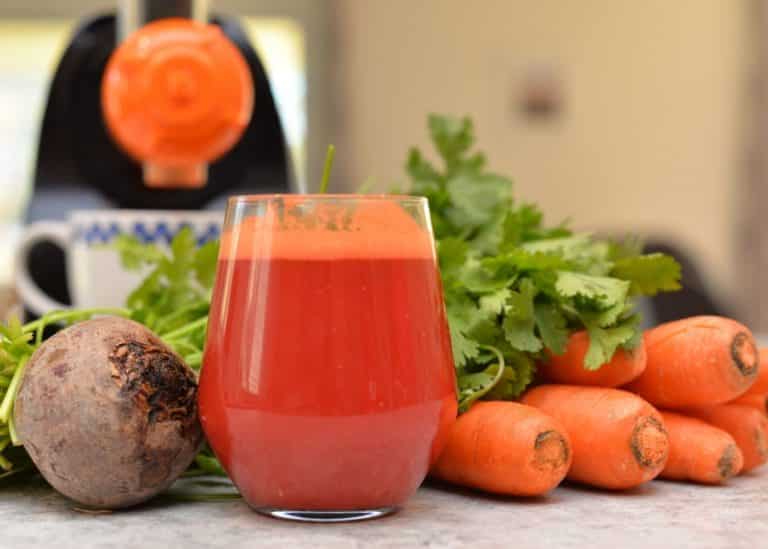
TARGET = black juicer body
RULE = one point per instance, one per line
(79, 166)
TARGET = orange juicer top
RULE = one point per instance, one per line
(176, 95)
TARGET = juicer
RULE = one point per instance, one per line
(160, 105)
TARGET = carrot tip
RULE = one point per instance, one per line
(551, 451)
(726, 466)
(744, 354)
(649, 442)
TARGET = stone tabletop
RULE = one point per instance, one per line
(660, 514)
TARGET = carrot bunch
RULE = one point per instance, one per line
(688, 404)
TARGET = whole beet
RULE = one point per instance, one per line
(108, 413)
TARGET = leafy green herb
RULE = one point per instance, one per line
(648, 274)
(327, 169)
(515, 285)
(174, 298)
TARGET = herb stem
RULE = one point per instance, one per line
(11, 471)
(169, 319)
(15, 440)
(7, 405)
(184, 330)
(327, 169)
(210, 465)
(61, 316)
(4, 463)
(465, 403)
(194, 360)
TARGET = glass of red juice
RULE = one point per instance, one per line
(328, 383)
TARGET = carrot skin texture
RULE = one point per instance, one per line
(697, 361)
(618, 439)
(568, 368)
(699, 452)
(758, 402)
(505, 448)
(760, 386)
(747, 426)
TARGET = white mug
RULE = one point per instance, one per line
(96, 277)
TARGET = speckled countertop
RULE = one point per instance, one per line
(661, 514)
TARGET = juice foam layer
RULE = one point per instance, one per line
(295, 228)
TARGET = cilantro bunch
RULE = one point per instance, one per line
(174, 298)
(515, 287)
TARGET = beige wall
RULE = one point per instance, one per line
(651, 137)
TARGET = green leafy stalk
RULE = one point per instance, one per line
(513, 283)
(210, 465)
(475, 386)
(185, 330)
(15, 440)
(67, 317)
(10, 396)
(327, 169)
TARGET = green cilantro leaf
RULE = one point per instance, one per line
(649, 274)
(552, 326)
(452, 137)
(205, 262)
(134, 254)
(603, 342)
(602, 290)
(451, 254)
(519, 322)
(515, 378)
(494, 303)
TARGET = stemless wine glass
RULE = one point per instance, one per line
(328, 383)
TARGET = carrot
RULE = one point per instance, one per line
(758, 402)
(505, 448)
(619, 440)
(747, 426)
(699, 451)
(569, 367)
(760, 386)
(698, 361)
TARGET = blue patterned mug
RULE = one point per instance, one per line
(95, 275)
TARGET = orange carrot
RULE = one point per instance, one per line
(698, 361)
(619, 440)
(747, 426)
(699, 452)
(505, 448)
(569, 367)
(760, 386)
(758, 402)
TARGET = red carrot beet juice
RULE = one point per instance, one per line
(328, 381)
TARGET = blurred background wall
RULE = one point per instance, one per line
(650, 136)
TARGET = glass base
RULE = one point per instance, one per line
(326, 516)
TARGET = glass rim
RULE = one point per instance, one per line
(380, 197)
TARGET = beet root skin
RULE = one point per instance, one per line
(108, 413)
